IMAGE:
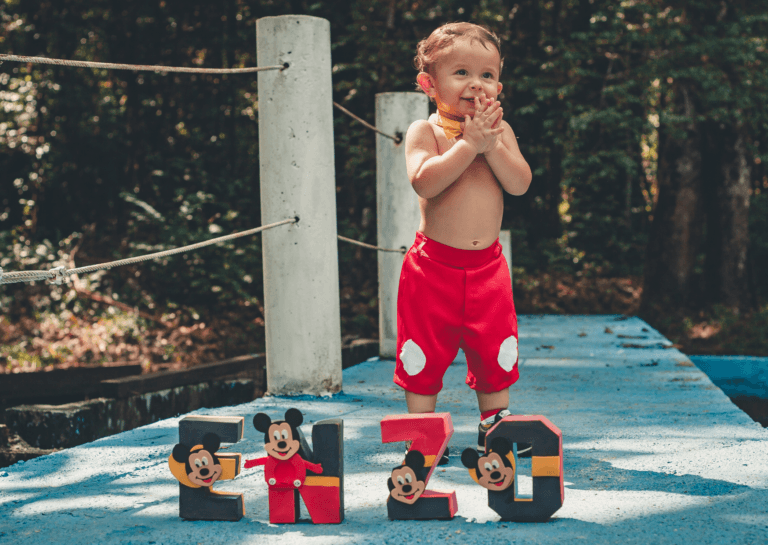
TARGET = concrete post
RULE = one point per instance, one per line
(505, 239)
(396, 203)
(297, 177)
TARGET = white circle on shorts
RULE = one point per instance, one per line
(413, 357)
(508, 353)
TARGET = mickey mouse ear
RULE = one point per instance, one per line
(501, 446)
(469, 457)
(180, 453)
(294, 417)
(261, 422)
(414, 459)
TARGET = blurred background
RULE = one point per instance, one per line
(645, 123)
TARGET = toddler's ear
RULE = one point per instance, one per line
(499, 91)
(426, 83)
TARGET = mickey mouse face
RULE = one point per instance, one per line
(204, 471)
(405, 486)
(493, 473)
(282, 444)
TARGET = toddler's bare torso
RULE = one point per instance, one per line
(468, 213)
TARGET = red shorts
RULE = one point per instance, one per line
(449, 299)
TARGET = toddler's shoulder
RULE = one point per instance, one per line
(420, 132)
(419, 126)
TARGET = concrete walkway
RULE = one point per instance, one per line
(653, 451)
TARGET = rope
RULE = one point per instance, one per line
(59, 273)
(144, 67)
(397, 138)
(402, 249)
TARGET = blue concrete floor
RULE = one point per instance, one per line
(736, 375)
(654, 452)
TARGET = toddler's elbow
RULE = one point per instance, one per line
(420, 185)
(524, 182)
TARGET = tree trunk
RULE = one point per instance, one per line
(676, 231)
(727, 183)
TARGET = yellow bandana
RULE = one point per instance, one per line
(451, 124)
(448, 119)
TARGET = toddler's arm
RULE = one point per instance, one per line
(508, 164)
(429, 172)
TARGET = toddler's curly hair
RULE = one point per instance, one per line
(428, 50)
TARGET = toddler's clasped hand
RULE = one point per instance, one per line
(482, 131)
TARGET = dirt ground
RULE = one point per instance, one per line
(108, 332)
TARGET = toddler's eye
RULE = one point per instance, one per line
(285, 434)
(488, 75)
(461, 72)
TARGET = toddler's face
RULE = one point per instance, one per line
(467, 70)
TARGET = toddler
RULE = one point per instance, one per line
(455, 290)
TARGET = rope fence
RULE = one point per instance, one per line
(58, 274)
(138, 67)
(397, 138)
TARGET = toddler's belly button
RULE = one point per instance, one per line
(475, 242)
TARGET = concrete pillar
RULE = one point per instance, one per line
(297, 177)
(505, 239)
(397, 204)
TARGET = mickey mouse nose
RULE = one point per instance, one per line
(281, 445)
(495, 475)
(203, 472)
(407, 488)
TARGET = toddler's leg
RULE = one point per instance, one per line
(489, 401)
(418, 403)
(493, 407)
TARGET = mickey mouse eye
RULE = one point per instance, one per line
(487, 466)
(205, 461)
(198, 463)
(408, 477)
(285, 435)
(495, 464)
(400, 481)
(276, 435)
